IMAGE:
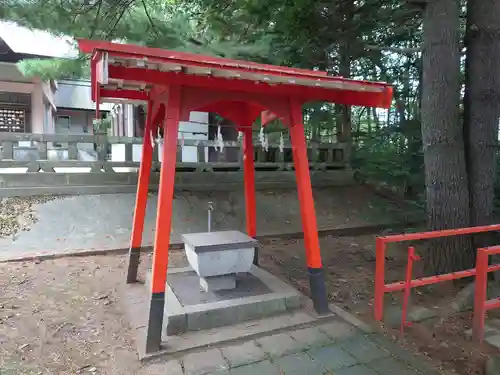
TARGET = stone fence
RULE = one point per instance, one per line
(35, 164)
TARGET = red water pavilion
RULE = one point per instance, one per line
(174, 84)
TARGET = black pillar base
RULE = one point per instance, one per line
(318, 290)
(133, 264)
(256, 257)
(155, 323)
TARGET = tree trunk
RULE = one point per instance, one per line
(482, 108)
(442, 137)
(343, 112)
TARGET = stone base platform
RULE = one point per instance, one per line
(258, 294)
(288, 308)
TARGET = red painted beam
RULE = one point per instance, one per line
(492, 250)
(492, 304)
(400, 285)
(304, 93)
(124, 94)
(439, 233)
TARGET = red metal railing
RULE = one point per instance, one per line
(381, 243)
(406, 297)
(481, 305)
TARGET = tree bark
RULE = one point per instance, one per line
(482, 108)
(442, 137)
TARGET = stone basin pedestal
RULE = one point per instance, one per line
(217, 257)
(222, 287)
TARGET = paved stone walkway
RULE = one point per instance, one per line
(105, 221)
(334, 348)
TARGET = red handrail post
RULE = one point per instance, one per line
(480, 295)
(379, 278)
(406, 294)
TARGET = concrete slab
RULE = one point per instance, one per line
(492, 366)
(137, 313)
(258, 294)
(493, 340)
(364, 349)
(279, 345)
(391, 366)
(172, 367)
(338, 330)
(184, 283)
(356, 370)
(299, 364)
(205, 362)
(489, 330)
(261, 368)
(243, 354)
(333, 358)
(311, 337)
(244, 348)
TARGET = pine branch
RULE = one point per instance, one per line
(405, 51)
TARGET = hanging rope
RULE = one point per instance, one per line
(264, 141)
(152, 139)
(219, 141)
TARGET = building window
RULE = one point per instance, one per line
(12, 120)
(63, 124)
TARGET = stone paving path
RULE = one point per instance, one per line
(334, 348)
(105, 221)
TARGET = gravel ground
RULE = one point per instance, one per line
(17, 214)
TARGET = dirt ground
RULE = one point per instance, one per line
(61, 317)
(349, 264)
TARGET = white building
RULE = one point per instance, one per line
(32, 106)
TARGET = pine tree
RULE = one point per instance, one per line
(153, 24)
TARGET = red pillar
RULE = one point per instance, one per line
(378, 303)
(163, 220)
(249, 170)
(97, 103)
(480, 295)
(307, 211)
(141, 197)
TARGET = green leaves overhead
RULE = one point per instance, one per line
(170, 25)
(55, 68)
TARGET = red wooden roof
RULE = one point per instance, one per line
(123, 72)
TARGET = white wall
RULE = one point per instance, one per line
(76, 95)
(195, 128)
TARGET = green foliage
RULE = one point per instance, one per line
(386, 159)
(54, 68)
(101, 126)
